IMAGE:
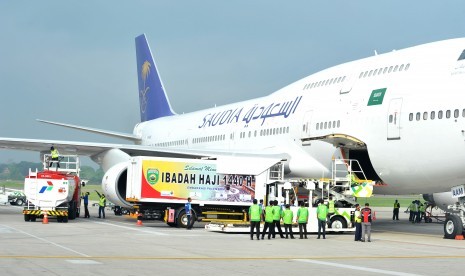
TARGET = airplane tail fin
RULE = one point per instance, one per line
(153, 100)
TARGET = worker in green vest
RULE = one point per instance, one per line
(358, 223)
(414, 209)
(55, 157)
(422, 211)
(410, 209)
(302, 219)
(322, 214)
(288, 216)
(269, 214)
(277, 219)
(255, 214)
(102, 203)
(395, 211)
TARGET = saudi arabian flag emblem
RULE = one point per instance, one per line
(152, 176)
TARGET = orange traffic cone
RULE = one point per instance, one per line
(139, 220)
(459, 237)
(45, 219)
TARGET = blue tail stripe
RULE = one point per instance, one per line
(153, 100)
(43, 189)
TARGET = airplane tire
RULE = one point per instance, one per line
(452, 227)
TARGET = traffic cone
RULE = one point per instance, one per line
(459, 237)
(139, 221)
(45, 219)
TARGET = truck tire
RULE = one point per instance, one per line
(337, 222)
(181, 220)
(171, 224)
(65, 219)
(27, 217)
(72, 210)
(452, 227)
(33, 218)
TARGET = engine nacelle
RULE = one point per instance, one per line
(114, 184)
(442, 200)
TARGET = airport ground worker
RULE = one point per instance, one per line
(288, 216)
(255, 214)
(422, 210)
(410, 209)
(322, 214)
(55, 157)
(366, 222)
(302, 219)
(269, 224)
(85, 197)
(277, 214)
(188, 210)
(358, 223)
(102, 203)
(395, 211)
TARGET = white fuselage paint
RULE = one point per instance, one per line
(411, 156)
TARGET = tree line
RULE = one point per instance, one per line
(18, 171)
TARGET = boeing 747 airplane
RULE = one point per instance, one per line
(400, 114)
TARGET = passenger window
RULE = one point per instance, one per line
(448, 114)
(463, 112)
(418, 116)
(433, 114)
(361, 75)
(407, 66)
(410, 117)
(425, 115)
(366, 73)
(395, 68)
(390, 69)
(329, 124)
(456, 113)
(326, 125)
(317, 126)
(391, 118)
(334, 124)
(338, 123)
(440, 114)
(374, 73)
(380, 71)
(371, 71)
(401, 68)
(385, 69)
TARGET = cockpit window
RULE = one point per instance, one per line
(462, 56)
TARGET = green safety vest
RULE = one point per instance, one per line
(101, 201)
(269, 213)
(331, 206)
(288, 216)
(396, 205)
(322, 211)
(277, 212)
(423, 208)
(358, 216)
(254, 212)
(54, 153)
(302, 215)
(414, 208)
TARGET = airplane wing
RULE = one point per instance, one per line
(91, 149)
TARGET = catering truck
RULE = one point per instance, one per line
(220, 188)
(53, 192)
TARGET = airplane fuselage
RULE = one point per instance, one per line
(406, 106)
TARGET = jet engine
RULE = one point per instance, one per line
(114, 184)
(442, 200)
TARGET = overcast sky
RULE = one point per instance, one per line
(74, 61)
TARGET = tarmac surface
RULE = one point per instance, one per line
(117, 246)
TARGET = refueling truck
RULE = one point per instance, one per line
(54, 191)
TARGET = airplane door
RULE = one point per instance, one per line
(307, 124)
(393, 120)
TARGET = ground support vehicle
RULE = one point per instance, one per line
(221, 189)
(347, 183)
(53, 191)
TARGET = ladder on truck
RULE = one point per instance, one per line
(347, 182)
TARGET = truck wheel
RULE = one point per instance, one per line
(337, 222)
(27, 217)
(72, 210)
(59, 219)
(182, 219)
(171, 224)
(65, 219)
(33, 218)
(452, 227)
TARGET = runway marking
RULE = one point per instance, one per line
(131, 228)
(86, 262)
(47, 241)
(294, 258)
(367, 269)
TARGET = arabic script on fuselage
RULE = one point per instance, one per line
(255, 113)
